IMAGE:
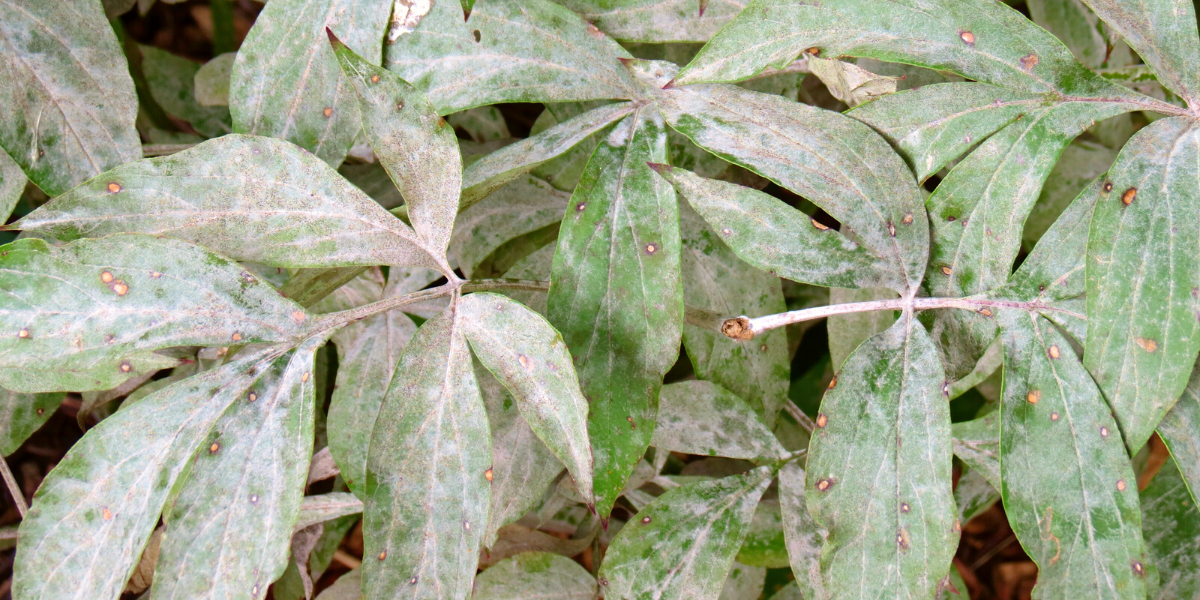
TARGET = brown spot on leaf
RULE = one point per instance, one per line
(383, 555)
(155, 274)
(892, 228)
(632, 425)
(114, 187)
(904, 507)
(1128, 196)
(467, 525)
(1108, 186)
(1029, 61)
(413, 581)
(1054, 353)
(987, 312)
(524, 360)
(214, 447)
(819, 225)
(762, 348)
(947, 270)
(120, 287)
(253, 498)
(1103, 431)
(107, 514)
(967, 37)
(478, 36)
(126, 367)
(237, 337)
(824, 484)
(1033, 396)
(951, 218)
(252, 396)
(815, 51)
(110, 338)
(726, 231)
(1146, 344)
(299, 316)
(908, 219)
(902, 539)
(651, 248)
(41, 411)
(106, 277)
(23, 334)
(488, 474)
(305, 376)
(1120, 485)
(822, 420)
(1138, 568)
(579, 207)
(646, 520)
(832, 382)
(957, 525)
(400, 104)
(1053, 416)
(328, 112)
(374, 79)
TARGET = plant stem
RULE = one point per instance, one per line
(13, 489)
(744, 328)
(799, 415)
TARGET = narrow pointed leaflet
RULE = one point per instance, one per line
(1143, 276)
(879, 470)
(89, 314)
(1162, 34)
(616, 296)
(427, 488)
(1180, 431)
(417, 147)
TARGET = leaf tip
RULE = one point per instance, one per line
(670, 85)
(333, 39)
(660, 168)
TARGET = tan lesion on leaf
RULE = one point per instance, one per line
(1146, 344)
(1029, 61)
(1033, 396)
(1047, 535)
(967, 37)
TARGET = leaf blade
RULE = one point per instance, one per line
(687, 411)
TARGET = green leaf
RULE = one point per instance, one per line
(535, 575)
(985, 41)
(977, 444)
(12, 185)
(529, 357)
(838, 163)
(172, 83)
(803, 536)
(847, 331)
(1162, 34)
(229, 530)
(657, 21)
(744, 583)
(1171, 523)
(523, 206)
(616, 296)
(427, 493)
(249, 198)
(286, 82)
(973, 495)
(765, 544)
(522, 466)
(326, 507)
(700, 417)
(716, 280)
(770, 235)
(94, 512)
(564, 171)
(23, 414)
(367, 355)
(68, 100)
(1142, 277)
(494, 170)
(1068, 487)
(212, 80)
(1080, 164)
(508, 51)
(884, 425)
(1077, 26)
(683, 544)
(347, 587)
(416, 146)
(85, 316)
(1054, 271)
(1180, 431)
(483, 124)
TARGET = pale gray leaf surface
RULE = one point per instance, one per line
(977, 443)
(291, 585)
(984, 41)
(286, 82)
(532, 575)
(230, 528)
(879, 470)
(406, 280)
(701, 417)
(657, 21)
(515, 539)
(522, 466)
(327, 507)
(368, 352)
(1068, 487)
(770, 235)
(373, 179)
(1163, 35)
(564, 171)
(716, 280)
(489, 173)
(847, 331)
(12, 184)
(172, 81)
(1180, 430)
(525, 353)
(1053, 273)
(418, 148)
(616, 295)
(509, 51)
(1171, 523)
(94, 512)
(347, 587)
(744, 583)
(211, 81)
(524, 205)
(683, 544)
(535, 267)
(426, 490)
(973, 495)
(247, 197)
(23, 414)
(849, 82)
(803, 536)
(1080, 164)
(836, 162)
(85, 316)
(483, 124)
(1076, 25)
(936, 124)
(68, 103)
(1142, 270)
(765, 544)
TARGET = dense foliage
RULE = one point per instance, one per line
(324, 263)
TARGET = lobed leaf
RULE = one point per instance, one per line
(1142, 268)
(418, 148)
(535, 575)
(94, 512)
(87, 315)
(229, 529)
(506, 51)
(616, 296)
(529, 357)
(700, 417)
(247, 197)
(879, 470)
(286, 82)
(837, 163)
(683, 544)
(426, 489)
(68, 100)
